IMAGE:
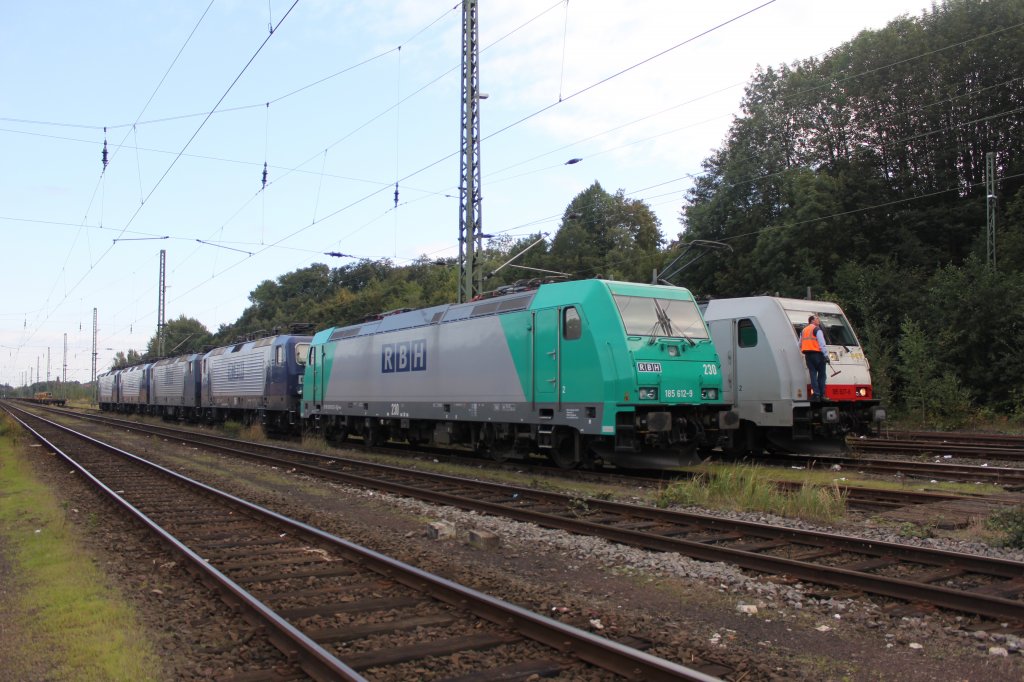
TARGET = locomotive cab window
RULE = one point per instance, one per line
(834, 326)
(661, 317)
(837, 330)
(301, 353)
(746, 333)
(572, 325)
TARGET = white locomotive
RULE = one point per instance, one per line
(766, 378)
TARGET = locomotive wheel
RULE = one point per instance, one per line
(374, 435)
(494, 448)
(501, 451)
(563, 454)
(337, 435)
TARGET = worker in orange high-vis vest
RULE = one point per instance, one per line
(812, 345)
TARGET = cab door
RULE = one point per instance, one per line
(546, 351)
(315, 370)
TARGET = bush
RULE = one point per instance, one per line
(1010, 523)
(932, 394)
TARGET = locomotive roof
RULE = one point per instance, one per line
(437, 314)
(754, 305)
(549, 294)
(255, 343)
(178, 358)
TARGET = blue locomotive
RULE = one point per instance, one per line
(254, 382)
(125, 390)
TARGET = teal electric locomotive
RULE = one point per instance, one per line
(585, 372)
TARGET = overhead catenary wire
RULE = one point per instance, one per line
(288, 171)
(358, 201)
(100, 186)
(263, 187)
(171, 166)
(951, 98)
(294, 233)
(598, 83)
(503, 37)
(243, 107)
(586, 271)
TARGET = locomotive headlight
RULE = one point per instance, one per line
(833, 356)
(673, 351)
(709, 394)
(648, 393)
(862, 392)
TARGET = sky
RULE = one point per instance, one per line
(340, 101)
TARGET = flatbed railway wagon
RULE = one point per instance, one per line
(47, 398)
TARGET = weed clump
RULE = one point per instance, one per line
(747, 488)
(1009, 523)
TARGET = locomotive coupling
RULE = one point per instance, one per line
(829, 415)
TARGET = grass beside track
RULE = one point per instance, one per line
(71, 623)
(750, 488)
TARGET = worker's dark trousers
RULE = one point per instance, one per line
(816, 370)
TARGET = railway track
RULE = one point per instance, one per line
(988, 587)
(338, 609)
(857, 497)
(999, 439)
(1010, 477)
(967, 446)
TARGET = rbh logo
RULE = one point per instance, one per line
(409, 356)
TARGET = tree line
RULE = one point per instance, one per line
(858, 176)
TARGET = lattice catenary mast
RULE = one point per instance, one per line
(161, 307)
(470, 280)
(990, 206)
(94, 350)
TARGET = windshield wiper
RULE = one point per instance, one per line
(663, 319)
